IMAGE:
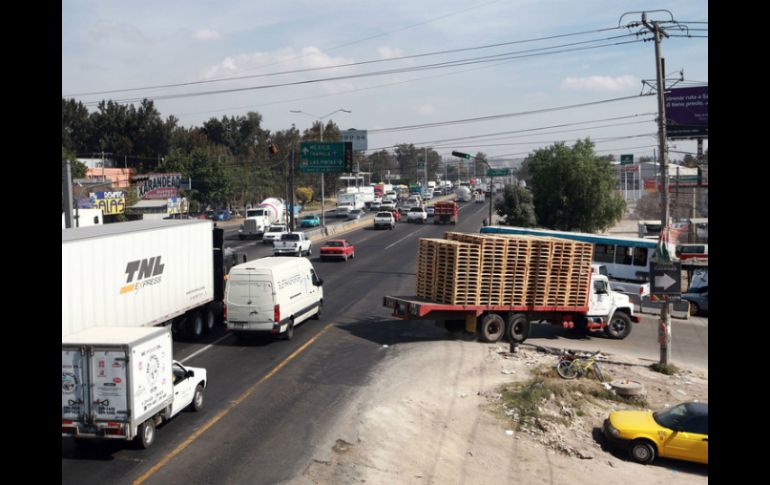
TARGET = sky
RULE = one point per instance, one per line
(497, 68)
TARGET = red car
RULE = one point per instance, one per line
(396, 214)
(337, 248)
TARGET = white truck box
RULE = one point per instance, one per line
(135, 274)
(121, 382)
(115, 374)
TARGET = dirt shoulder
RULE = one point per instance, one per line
(434, 414)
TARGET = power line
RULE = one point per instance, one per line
(360, 63)
(440, 65)
(506, 115)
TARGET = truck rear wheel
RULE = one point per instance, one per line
(146, 436)
(210, 320)
(492, 328)
(517, 328)
(197, 402)
(194, 325)
(619, 326)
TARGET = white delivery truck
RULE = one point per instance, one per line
(349, 202)
(463, 194)
(272, 295)
(121, 382)
(258, 220)
(141, 274)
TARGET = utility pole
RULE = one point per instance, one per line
(66, 175)
(664, 325)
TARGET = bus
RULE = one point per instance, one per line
(626, 259)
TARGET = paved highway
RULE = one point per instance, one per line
(269, 403)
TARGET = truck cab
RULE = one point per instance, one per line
(608, 309)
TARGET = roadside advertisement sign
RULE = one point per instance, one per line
(687, 113)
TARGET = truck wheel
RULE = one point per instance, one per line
(289, 331)
(619, 326)
(194, 325)
(197, 402)
(240, 236)
(146, 436)
(210, 320)
(517, 328)
(317, 316)
(492, 328)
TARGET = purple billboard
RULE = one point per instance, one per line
(687, 113)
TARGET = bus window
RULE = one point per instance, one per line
(640, 256)
(624, 255)
(604, 253)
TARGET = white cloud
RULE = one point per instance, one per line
(386, 52)
(207, 34)
(600, 83)
(281, 60)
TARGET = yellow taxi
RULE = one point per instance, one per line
(680, 432)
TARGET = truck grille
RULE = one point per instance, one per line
(250, 225)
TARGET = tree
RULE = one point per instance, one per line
(304, 195)
(517, 207)
(573, 188)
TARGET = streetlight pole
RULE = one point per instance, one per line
(321, 136)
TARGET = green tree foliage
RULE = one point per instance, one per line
(573, 188)
(379, 164)
(304, 195)
(517, 207)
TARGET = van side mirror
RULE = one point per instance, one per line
(190, 373)
(320, 282)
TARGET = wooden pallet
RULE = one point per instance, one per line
(497, 269)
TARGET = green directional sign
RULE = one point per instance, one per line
(498, 172)
(325, 157)
(626, 159)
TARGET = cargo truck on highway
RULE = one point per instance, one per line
(445, 212)
(258, 220)
(120, 383)
(492, 300)
(143, 274)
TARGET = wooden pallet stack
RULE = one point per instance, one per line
(492, 269)
(427, 253)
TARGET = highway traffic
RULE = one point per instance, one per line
(269, 403)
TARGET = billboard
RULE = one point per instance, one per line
(158, 185)
(687, 113)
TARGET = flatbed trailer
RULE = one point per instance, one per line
(491, 322)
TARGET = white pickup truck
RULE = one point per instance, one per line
(384, 219)
(293, 243)
(417, 214)
(274, 233)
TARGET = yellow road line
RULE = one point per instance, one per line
(225, 411)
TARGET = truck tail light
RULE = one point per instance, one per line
(277, 313)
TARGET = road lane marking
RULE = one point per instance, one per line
(203, 349)
(226, 411)
(405, 237)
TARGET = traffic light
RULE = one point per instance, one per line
(461, 155)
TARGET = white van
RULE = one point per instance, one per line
(272, 295)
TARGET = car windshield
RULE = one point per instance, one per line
(334, 244)
(354, 212)
(384, 214)
(672, 417)
(416, 209)
(290, 237)
(309, 218)
(277, 229)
